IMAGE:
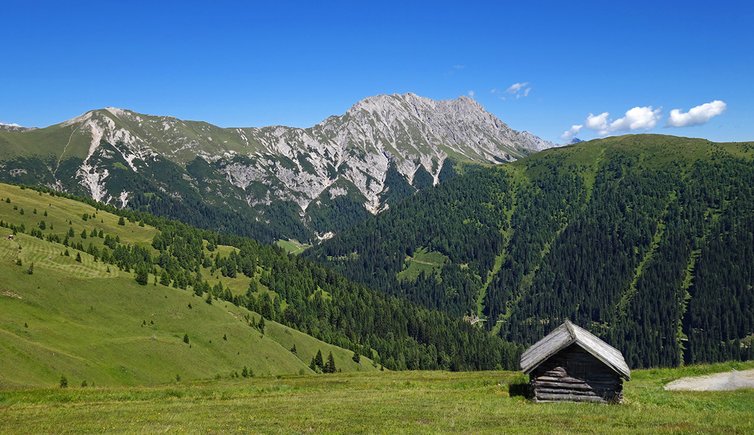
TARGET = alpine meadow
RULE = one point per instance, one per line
(303, 217)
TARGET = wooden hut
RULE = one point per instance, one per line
(572, 364)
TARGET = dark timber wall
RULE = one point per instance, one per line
(575, 375)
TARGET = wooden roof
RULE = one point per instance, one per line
(566, 335)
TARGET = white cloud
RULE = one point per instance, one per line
(637, 118)
(514, 88)
(697, 115)
(471, 93)
(10, 125)
(571, 132)
(597, 122)
(519, 90)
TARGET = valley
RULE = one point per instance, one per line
(106, 298)
(388, 217)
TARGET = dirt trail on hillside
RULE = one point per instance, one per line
(727, 381)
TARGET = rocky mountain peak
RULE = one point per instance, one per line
(381, 146)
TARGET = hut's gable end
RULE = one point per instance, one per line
(576, 375)
(566, 335)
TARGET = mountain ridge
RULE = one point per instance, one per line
(643, 239)
(343, 162)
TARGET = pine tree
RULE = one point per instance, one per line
(142, 276)
(63, 381)
(318, 360)
(260, 325)
(186, 338)
(293, 349)
(330, 365)
(121, 221)
(78, 257)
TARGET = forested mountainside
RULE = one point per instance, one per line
(268, 183)
(67, 263)
(646, 240)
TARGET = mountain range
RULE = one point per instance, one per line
(645, 240)
(272, 182)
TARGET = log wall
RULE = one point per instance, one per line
(575, 375)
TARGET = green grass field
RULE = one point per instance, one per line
(428, 262)
(385, 402)
(293, 246)
(61, 211)
(111, 331)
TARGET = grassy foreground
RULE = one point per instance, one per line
(388, 402)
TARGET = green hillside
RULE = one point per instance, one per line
(117, 293)
(647, 240)
(90, 321)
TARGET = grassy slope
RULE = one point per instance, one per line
(61, 140)
(293, 246)
(86, 322)
(422, 261)
(404, 402)
(55, 141)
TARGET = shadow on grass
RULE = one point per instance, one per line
(520, 389)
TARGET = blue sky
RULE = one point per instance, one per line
(295, 63)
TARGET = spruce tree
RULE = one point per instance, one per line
(142, 276)
(318, 360)
(330, 365)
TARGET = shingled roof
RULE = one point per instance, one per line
(566, 335)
